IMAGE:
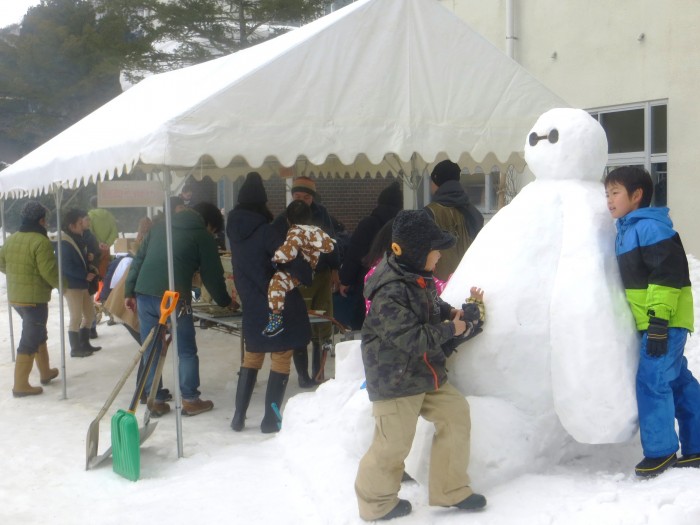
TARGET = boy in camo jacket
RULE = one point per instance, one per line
(302, 237)
(402, 339)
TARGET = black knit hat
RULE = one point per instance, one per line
(444, 171)
(252, 191)
(391, 196)
(33, 212)
(414, 235)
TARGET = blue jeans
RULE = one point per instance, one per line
(666, 391)
(148, 308)
(34, 319)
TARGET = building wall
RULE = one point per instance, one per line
(601, 61)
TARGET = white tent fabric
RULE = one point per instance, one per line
(376, 80)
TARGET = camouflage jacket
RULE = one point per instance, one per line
(403, 333)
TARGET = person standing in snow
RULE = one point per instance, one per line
(103, 226)
(402, 339)
(302, 238)
(655, 274)
(28, 261)
(79, 274)
(352, 272)
(253, 242)
(452, 211)
(194, 249)
(318, 296)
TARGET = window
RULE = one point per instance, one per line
(637, 137)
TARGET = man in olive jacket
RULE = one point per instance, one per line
(28, 260)
(194, 249)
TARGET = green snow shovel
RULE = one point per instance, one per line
(126, 440)
(93, 433)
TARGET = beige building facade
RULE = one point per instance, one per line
(633, 64)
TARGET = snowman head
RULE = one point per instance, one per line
(566, 143)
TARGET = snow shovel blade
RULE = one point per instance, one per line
(93, 434)
(144, 433)
(126, 445)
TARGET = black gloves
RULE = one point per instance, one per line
(657, 341)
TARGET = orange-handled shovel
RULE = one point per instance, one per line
(125, 429)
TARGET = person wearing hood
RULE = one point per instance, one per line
(403, 338)
(194, 250)
(28, 260)
(352, 272)
(253, 242)
(452, 211)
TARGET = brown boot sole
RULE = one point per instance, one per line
(26, 394)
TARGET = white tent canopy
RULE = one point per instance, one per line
(377, 82)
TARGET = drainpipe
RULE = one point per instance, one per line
(510, 24)
(510, 48)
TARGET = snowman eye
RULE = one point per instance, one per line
(552, 137)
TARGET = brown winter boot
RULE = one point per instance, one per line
(42, 363)
(23, 366)
(192, 407)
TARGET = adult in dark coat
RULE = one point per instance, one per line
(253, 242)
(353, 270)
(319, 294)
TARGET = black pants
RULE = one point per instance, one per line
(34, 333)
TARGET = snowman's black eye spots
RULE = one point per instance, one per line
(552, 137)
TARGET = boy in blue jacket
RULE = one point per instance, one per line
(654, 271)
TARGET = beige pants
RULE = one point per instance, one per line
(379, 475)
(280, 361)
(81, 308)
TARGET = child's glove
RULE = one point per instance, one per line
(657, 340)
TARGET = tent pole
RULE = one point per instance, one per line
(173, 316)
(9, 306)
(59, 195)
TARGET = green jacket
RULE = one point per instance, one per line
(194, 249)
(28, 260)
(103, 226)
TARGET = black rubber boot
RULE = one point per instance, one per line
(301, 363)
(276, 385)
(85, 340)
(93, 330)
(76, 348)
(244, 391)
(315, 360)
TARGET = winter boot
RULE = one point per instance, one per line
(193, 407)
(85, 340)
(473, 502)
(42, 363)
(301, 363)
(276, 385)
(403, 508)
(650, 467)
(689, 460)
(244, 391)
(274, 325)
(23, 366)
(76, 348)
(93, 330)
(315, 361)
